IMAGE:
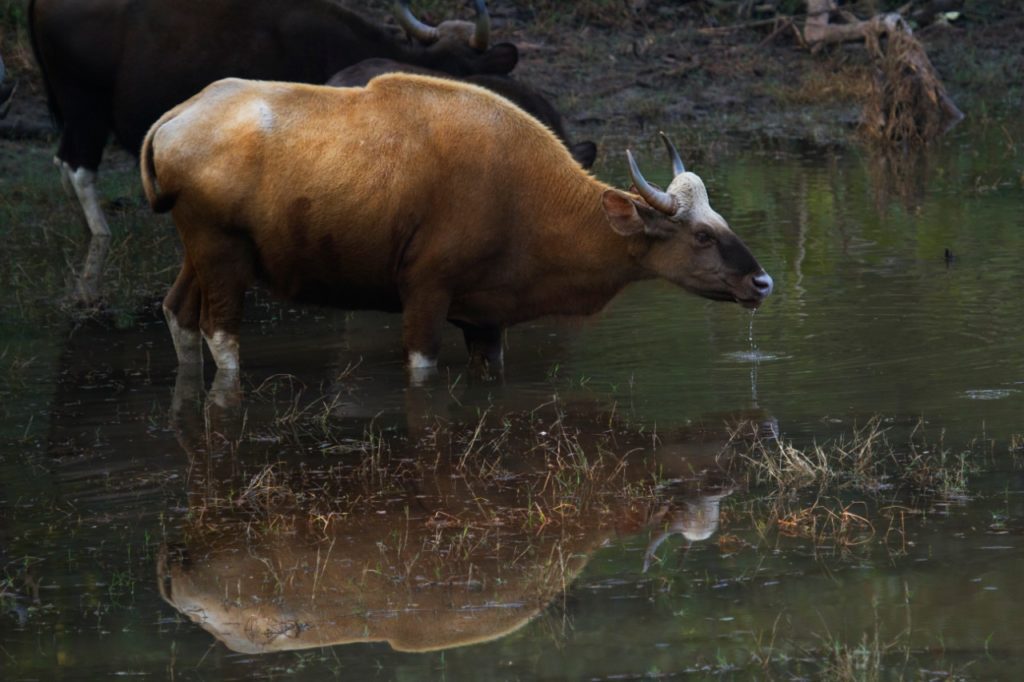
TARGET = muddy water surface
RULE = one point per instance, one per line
(596, 514)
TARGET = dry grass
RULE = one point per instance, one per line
(908, 104)
(829, 84)
(858, 488)
(864, 461)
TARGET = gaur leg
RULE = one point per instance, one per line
(484, 344)
(226, 389)
(423, 318)
(224, 266)
(80, 152)
(182, 309)
(65, 177)
(87, 287)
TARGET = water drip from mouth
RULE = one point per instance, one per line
(753, 357)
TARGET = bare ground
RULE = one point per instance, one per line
(617, 72)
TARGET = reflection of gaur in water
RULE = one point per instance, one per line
(408, 545)
(485, 222)
(116, 65)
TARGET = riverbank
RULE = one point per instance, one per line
(619, 69)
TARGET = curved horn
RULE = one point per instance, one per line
(662, 201)
(424, 33)
(482, 34)
(677, 163)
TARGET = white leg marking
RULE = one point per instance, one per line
(84, 182)
(87, 288)
(421, 361)
(187, 345)
(224, 348)
(65, 177)
(421, 368)
(226, 389)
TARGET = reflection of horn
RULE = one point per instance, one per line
(662, 201)
(653, 546)
(482, 35)
(424, 33)
(677, 163)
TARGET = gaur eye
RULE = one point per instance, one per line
(703, 238)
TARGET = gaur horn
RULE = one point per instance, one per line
(662, 201)
(677, 163)
(413, 26)
(482, 34)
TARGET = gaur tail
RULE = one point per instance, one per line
(51, 101)
(159, 201)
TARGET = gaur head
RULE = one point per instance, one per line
(685, 240)
(460, 47)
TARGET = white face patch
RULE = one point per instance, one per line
(186, 341)
(224, 348)
(83, 181)
(692, 199)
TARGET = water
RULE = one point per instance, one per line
(464, 539)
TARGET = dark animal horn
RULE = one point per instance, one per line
(424, 33)
(662, 201)
(677, 163)
(482, 34)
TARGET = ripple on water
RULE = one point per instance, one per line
(990, 393)
(753, 356)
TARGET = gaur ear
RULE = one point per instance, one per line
(622, 212)
(584, 152)
(500, 59)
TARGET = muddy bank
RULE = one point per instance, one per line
(624, 70)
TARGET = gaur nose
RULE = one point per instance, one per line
(762, 281)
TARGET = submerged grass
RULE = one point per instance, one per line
(523, 471)
(864, 461)
(854, 490)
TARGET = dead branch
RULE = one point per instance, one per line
(908, 103)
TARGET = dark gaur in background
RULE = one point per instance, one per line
(476, 35)
(117, 65)
(525, 97)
